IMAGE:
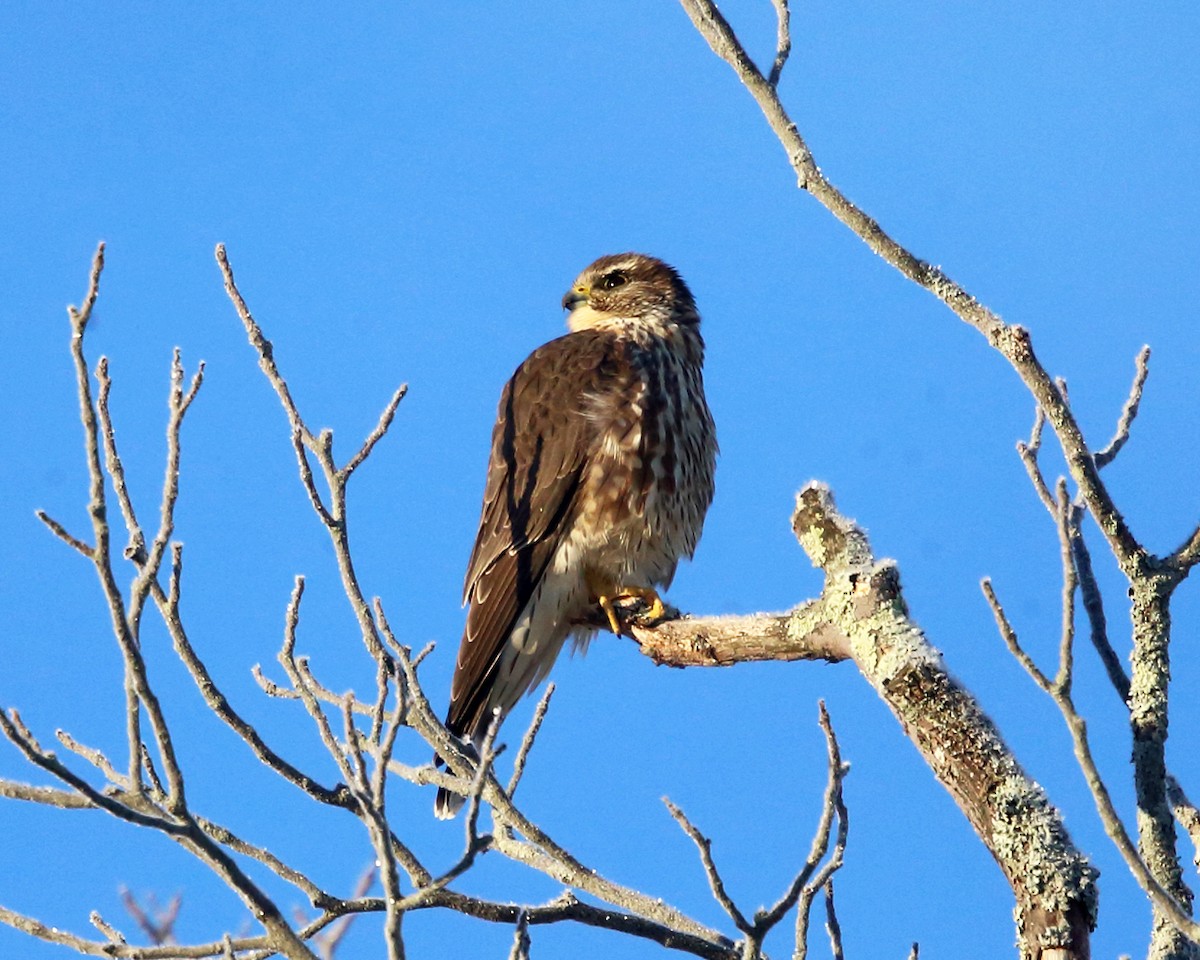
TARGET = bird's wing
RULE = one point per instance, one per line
(541, 445)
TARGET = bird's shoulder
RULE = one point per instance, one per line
(573, 364)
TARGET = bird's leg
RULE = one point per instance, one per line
(610, 611)
(608, 594)
(604, 591)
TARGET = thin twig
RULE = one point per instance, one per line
(168, 606)
(1109, 817)
(783, 40)
(1070, 581)
(1012, 342)
(93, 756)
(385, 421)
(112, 933)
(520, 947)
(715, 883)
(527, 741)
(832, 927)
(47, 796)
(136, 550)
(1010, 638)
(61, 532)
(1028, 452)
(803, 889)
(1128, 411)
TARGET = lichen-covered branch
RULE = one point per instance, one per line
(863, 607)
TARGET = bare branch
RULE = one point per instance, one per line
(1186, 815)
(1128, 411)
(1010, 638)
(832, 927)
(385, 421)
(1109, 817)
(531, 733)
(266, 352)
(1066, 647)
(783, 40)
(809, 880)
(217, 702)
(307, 480)
(539, 850)
(1093, 605)
(81, 315)
(1028, 452)
(329, 941)
(60, 531)
(803, 634)
(94, 757)
(1012, 342)
(715, 883)
(520, 947)
(47, 796)
(1187, 555)
(1052, 881)
(136, 550)
(113, 935)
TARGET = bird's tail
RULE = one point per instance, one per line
(448, 802)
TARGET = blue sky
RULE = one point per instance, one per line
(405, 191)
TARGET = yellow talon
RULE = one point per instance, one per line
(608, 595)
(657, 610)
(610, 611)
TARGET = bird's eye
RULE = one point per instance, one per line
(610, 281)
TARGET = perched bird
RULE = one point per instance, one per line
(600, 475)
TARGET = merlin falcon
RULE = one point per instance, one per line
(601, 472)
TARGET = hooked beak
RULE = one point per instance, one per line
(575, 297)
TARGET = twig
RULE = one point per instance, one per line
(520, 947)
(832, 927)
(715, 883)
(136, 550)
(385, 421)
(217, 702)
(61, 532)
(1010, 638)
(1128, 411)
(94, 757)
(531, 733)
(783, 40)
(1012, 342)
(333, 515)
(1188, 554)
(47, 796)
(1109, 817)
(1070, 582)
(1028, 452)
(113, 934)
(810, 879)
(1093, 605)
(540, 852)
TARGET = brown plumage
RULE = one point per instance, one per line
(600, 475)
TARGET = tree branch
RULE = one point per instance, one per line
(1012, 342)
(863, 606)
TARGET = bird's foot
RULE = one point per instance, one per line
(633, 606)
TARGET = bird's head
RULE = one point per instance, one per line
(626, 291)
